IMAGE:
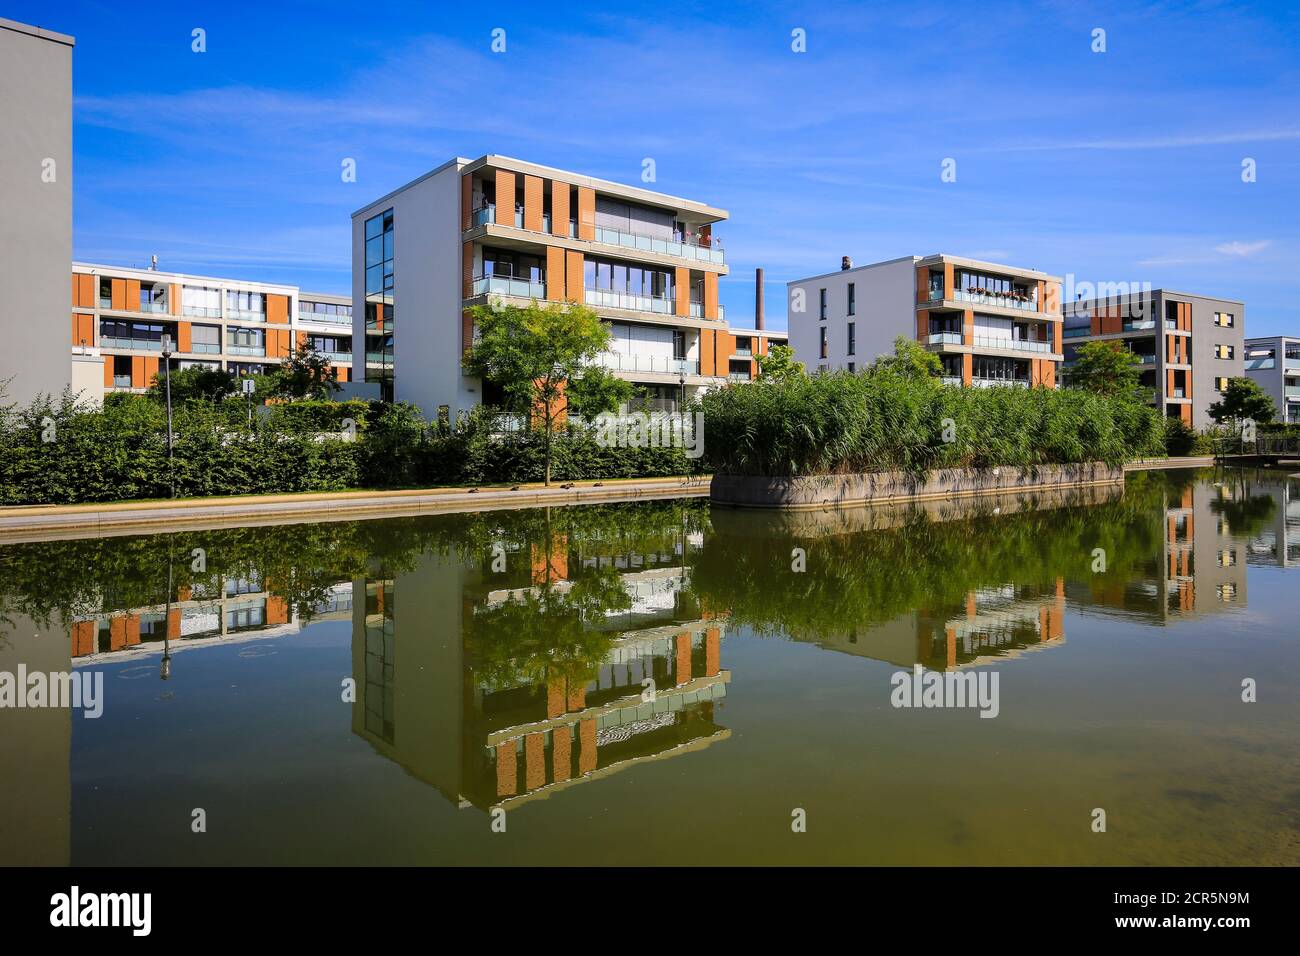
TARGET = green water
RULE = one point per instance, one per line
(397, 691)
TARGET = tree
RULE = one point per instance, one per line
(778, 364)
(198, 383)
(533, 352)
(1243, 400)
(1107, 368)
(910, 360)
(305, 374)
(596, 391)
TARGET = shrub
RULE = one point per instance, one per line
(839, 422)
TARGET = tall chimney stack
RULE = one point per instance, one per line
(845, 264)
(758, 299)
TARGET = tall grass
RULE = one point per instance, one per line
(839, 422)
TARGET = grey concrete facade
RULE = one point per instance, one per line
(36, 199)
(1274, 363)
(1191, 344)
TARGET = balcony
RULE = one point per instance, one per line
(145, 345)
(743, 353)
(1262, 363)
(1000, 300)
(154, 308)
(121, 381)
(623, 362)
(944, 338)
(199, 312)
(245, 349)
(1144, 359)
(1076, 332)
(205, 348)
(1018, 345)
(951, 380)
(1178, 393)
(379, 358)
(245, 315)
(979, 382)
(610, 299)
(1293, 391)
(1139, 325)
(328, 319)
(682, 248)
(736, 377)
(509, 285)
(335, 356)
(1292, 362)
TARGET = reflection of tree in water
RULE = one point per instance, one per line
(548, 633)
(300, 563)
(871, 577)
(1249, 510)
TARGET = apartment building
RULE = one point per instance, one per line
(1189, 345)
(120, 316)
(35, 208)
(500, 229)
(989, 324)
(1274, 363)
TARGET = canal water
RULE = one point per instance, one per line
(673, 683)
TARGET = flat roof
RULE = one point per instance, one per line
(495, 160)
(33, 31)
(1162, 291)
(136, 273)
(939, 257)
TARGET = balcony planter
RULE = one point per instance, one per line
(829, 491)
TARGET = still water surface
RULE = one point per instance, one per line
(371, 692)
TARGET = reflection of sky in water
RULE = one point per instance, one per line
(624, 710)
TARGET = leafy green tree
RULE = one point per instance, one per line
(910, 360)
(305, 374)
(533, 352)
(197, 383)
(1107, 368)
(779, 364)
(1243, 400)
(596, 391)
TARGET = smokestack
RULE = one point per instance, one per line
(846, 263)
(758, 299)
(153, 263)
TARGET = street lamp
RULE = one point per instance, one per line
(681, 380)
(167, 365)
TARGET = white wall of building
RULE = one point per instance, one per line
(885, 308)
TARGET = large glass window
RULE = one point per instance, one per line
(201, 301)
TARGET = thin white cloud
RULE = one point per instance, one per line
(1242, 248)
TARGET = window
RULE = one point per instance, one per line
(205, 338)
(1227, 592)
(379, 237)
(202, 301)
(1220, 384)
(853, 301)
(853, 367)
(679, 344)
(1223, 351)
(1225, 320)
(853, 338)
(330, 344)
(1227, 559)
(822, 302)
(246, 340)
(822, 330)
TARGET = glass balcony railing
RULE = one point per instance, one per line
(154, 308)
(205, 348)
(1074, 333)
(681, 247)
(200, 312)
(979, 382)
(1018, 345)
(245, 315)
(944, 338)
(509, 285)
(121, 381)
(738, 377)
(1261, 363)
(1293, 391)
(328, 319)
(1139, 325)
(951, 380)
(379, 358)
(626, 300)
(1292, 361)
(743, 353)
(335, 355)
(697, 310)
(105, 302)
(143, 345)
(1171, 324)
(245, 349)
(996, 299)
(624, 362)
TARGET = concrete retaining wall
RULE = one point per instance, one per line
(822, 491)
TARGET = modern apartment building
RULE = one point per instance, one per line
(989, 324)
(120, 316)
(1275, 364)
(1189, 345)
(35, 208)
(496, 228)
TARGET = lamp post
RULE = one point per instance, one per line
(167, 365)
(681, 380)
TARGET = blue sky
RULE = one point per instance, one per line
(1115, 166)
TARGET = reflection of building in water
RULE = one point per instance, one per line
(1278, 543)
(474, 699)
(994, 623)
(231, 608)
(1200, 567)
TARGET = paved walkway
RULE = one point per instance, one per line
(42, 522)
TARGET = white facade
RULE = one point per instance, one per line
(884, 307)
